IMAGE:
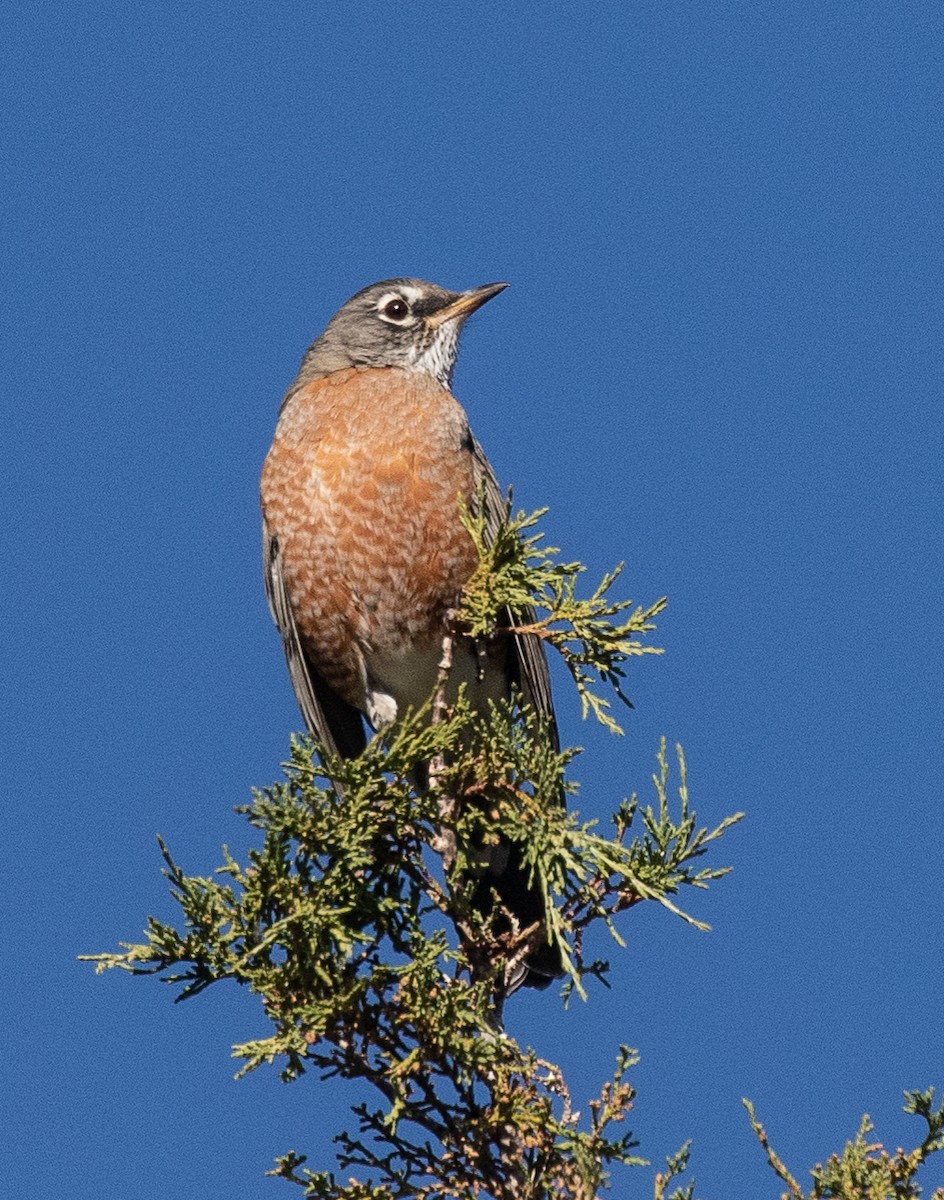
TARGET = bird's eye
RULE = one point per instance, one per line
(396, 309)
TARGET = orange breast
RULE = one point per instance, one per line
(361, 487)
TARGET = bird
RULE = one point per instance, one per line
(365, 552)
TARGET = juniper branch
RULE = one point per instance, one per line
(865, 1170)
(594, 636)
(356, 921)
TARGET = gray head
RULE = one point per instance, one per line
(396, 323)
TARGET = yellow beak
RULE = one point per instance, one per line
(465, 304)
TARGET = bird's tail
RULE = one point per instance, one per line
(507, 877)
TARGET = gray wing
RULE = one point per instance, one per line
(334, 722)
(534, 678)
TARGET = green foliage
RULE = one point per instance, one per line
(866, 1170)
(593, 636)
(676, 1165)
(359, 920)
(359, 923)
(373, 964)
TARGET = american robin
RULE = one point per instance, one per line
(365, 553)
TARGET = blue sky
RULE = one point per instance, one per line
(720, 360)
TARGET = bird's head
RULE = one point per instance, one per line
(397, 323)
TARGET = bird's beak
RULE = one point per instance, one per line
(464, 304)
